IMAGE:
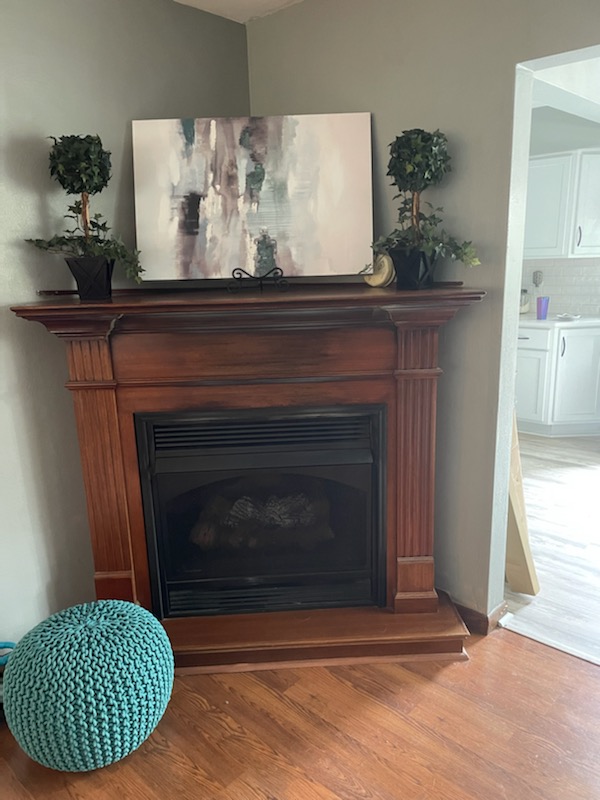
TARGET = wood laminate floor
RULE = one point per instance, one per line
(518, 721)
(561, 481)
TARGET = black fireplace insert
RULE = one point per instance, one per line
(264, 510)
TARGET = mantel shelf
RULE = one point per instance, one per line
(314, 306)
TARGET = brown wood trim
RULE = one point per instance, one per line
(288, 320)
(417, 374)
(75, 386)
(478, 622)
(192, 382)
(70, 326)
(414, 585)
(139, 548)
(90, 360)
(220, 661)
(416, 602)
(114, 585)
(141, 383)
(415, 451)
(102, 466)
(161, 301)
(226, 356)
(349, 661)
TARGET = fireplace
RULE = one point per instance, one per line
(259, 468)
(263, 510)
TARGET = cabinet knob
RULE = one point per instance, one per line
(563, 346)
(579, 234)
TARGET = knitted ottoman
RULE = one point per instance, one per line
(88, 685)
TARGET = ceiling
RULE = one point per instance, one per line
(239, 10)
(553, 131)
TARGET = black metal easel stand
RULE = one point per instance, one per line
(243, 279)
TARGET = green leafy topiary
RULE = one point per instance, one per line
(82, 166)
(419, 159)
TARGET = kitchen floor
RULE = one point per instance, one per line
(561, 481)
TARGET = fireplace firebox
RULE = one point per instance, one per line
(264, 511)
(259, 468)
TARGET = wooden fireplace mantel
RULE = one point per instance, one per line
(157, 351)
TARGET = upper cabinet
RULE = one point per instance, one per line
(563, 205)
(549, 189)
(586, 220)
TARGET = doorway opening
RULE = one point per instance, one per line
(554, 250)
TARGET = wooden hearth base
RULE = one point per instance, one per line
(255, 641)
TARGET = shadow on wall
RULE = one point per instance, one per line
(124, 216)
(26, 159)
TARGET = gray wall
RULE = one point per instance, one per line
(447, 65)
(75, 66)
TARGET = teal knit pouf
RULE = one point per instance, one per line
(88, 685)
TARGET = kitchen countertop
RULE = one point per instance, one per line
(529, 320)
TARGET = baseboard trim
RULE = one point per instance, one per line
(479, 623)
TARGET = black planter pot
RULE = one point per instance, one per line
(414, 268)
(93, 276)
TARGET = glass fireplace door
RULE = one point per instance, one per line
(250, 512)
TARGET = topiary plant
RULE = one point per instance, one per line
(82, 166)
(418, 160)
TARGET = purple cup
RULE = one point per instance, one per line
(542, 307)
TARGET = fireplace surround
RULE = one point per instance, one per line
(321, 353)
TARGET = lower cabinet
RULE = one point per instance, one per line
(558, 379)
(577, 387)
(532, 374)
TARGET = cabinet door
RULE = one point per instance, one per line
(577, 387)
(549, 192)
(586, 228)
(532, 371)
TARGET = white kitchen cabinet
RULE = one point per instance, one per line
(532, 374)
(563, 205)
(549, 205)
(585, 237)
(558, 378)
(532, 370)
(577, 386)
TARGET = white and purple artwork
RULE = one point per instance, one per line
(292, 192)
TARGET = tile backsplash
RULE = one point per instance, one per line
(573, 285)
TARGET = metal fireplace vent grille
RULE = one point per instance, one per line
(183, 601)
(216, 434)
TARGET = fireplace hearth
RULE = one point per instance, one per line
(260, 469)
(264, 511)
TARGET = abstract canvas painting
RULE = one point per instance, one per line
(215, 194)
